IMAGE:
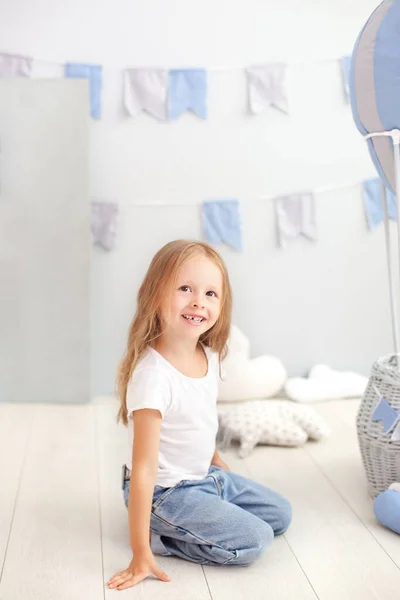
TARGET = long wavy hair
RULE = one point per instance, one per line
(157, 285)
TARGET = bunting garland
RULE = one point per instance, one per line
(167, 94)
(295, 215)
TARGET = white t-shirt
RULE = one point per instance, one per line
(189, 415)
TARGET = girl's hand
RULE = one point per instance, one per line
(139, 568)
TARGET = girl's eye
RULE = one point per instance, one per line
(184, 288)
(211, 292)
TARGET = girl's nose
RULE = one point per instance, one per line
(198, 303)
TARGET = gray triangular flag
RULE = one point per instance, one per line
(267, 87)
(146, 89)
(12, 65)
(104, 224)
(295, 215)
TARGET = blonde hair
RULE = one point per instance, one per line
(146, 325)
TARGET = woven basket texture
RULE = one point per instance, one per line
(380, 455)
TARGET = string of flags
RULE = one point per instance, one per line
(295, 216)
(166, 94)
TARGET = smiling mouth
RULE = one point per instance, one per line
(193, 320)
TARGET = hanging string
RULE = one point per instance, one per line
(221, 68)
(184, 202)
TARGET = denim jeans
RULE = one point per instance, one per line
(223, 519)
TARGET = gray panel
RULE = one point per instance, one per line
(44, 241)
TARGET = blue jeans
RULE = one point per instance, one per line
(223, 519)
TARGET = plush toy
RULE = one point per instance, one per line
(324, 383)
(387, 507)
(274, 422)
(246, 378)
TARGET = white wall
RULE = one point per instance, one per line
(324, 302)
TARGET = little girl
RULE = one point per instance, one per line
(176, 486)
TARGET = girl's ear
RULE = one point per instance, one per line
(159, 320)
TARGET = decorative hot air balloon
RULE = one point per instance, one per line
(375, 87)
(375, 100)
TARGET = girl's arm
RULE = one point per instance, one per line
(218, 462)
(147, 426)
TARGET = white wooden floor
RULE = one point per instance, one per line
(63, 523)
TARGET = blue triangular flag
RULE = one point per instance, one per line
(94, 73)
(187, 91)
(345, 63)
(221, 222)
(373, 202)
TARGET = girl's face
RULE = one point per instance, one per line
(195, 301)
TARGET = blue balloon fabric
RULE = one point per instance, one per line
(375, 84)
(387, 509)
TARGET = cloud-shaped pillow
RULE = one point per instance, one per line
(324, 383)
(246, 378)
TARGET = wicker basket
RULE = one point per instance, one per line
(380, 455)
